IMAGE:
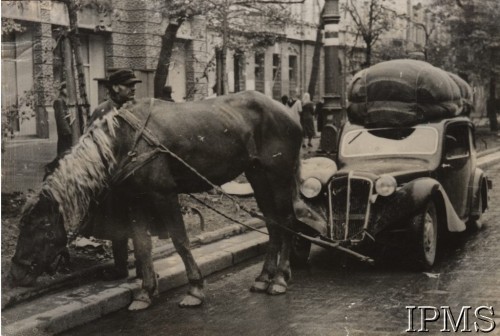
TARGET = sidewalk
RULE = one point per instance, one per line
(81, 298)
(63, 310)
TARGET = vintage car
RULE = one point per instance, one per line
(403, 188)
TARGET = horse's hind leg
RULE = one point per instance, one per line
(170, 208)
(273, 202)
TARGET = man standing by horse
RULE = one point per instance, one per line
(121, 89)
(109, 217)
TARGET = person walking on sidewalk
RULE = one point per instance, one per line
(307, 119)
(63, 125)
(296, 108)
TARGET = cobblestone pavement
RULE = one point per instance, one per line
(335, 297)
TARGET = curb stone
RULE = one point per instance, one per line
(61, 311)
(20, 295)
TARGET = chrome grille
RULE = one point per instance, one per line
(349, 207)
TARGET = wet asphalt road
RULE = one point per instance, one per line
(335, 296)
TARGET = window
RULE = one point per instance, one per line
(456, 143)
(259, 72)
(292, 73)
(276, 76)
(239, 72)
(18, 80)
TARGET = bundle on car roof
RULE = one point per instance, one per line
(406, 92)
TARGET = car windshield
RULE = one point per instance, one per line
(390, 141)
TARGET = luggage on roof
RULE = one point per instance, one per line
(405, 92)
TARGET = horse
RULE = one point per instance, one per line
(153, 150)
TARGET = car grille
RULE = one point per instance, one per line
(349, 207)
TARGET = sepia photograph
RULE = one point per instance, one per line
(250, 167)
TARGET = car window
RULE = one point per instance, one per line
(457, 144)
(390, 141)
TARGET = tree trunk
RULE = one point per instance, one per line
(74, 39)
(167, 45)
(318, 45)
(368, 61)
(71, 88)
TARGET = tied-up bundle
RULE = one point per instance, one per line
(406, 92)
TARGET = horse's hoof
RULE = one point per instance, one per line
(142, 300)
(139, 304)
(190, 301)
(259, 287)
(276, 289)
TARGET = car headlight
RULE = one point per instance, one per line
(385, 185)
(311, 187)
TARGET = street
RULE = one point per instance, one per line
(336, 296)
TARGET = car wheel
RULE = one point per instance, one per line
(299, 252)
(475, 223)
(425, 225)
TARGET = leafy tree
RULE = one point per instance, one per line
(471, 45)
(371, 18)
(241, 24)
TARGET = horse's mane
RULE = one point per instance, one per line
(83, 173)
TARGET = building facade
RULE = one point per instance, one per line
(129, 36)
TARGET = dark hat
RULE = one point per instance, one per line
(167, 89)
(124, 77)
(62, 85)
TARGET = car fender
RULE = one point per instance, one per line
(479, 189)
(411, 198)
(308, 216)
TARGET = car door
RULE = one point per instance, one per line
(456, 166)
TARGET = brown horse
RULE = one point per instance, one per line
(220, 138)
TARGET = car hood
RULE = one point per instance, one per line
(391, 167)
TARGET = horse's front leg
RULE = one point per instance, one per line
(283, 274)
(177, 230)
(143, 252)
(262, 282)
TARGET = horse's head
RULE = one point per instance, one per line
(42, 238)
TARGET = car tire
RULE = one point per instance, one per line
(475, 224)
(425, 225)
(299, 252)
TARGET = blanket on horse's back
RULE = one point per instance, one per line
(219, 138)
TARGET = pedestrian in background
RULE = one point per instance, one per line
(284, 100)
(167, 94)
(307, 119)
(296, 107)
(63, 124)
(121, 89)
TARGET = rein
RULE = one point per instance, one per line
(139, 161)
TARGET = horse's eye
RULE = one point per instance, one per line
(50, 235)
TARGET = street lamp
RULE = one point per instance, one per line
(332, 109)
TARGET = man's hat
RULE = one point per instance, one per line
(62, 85)
(124, 77)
